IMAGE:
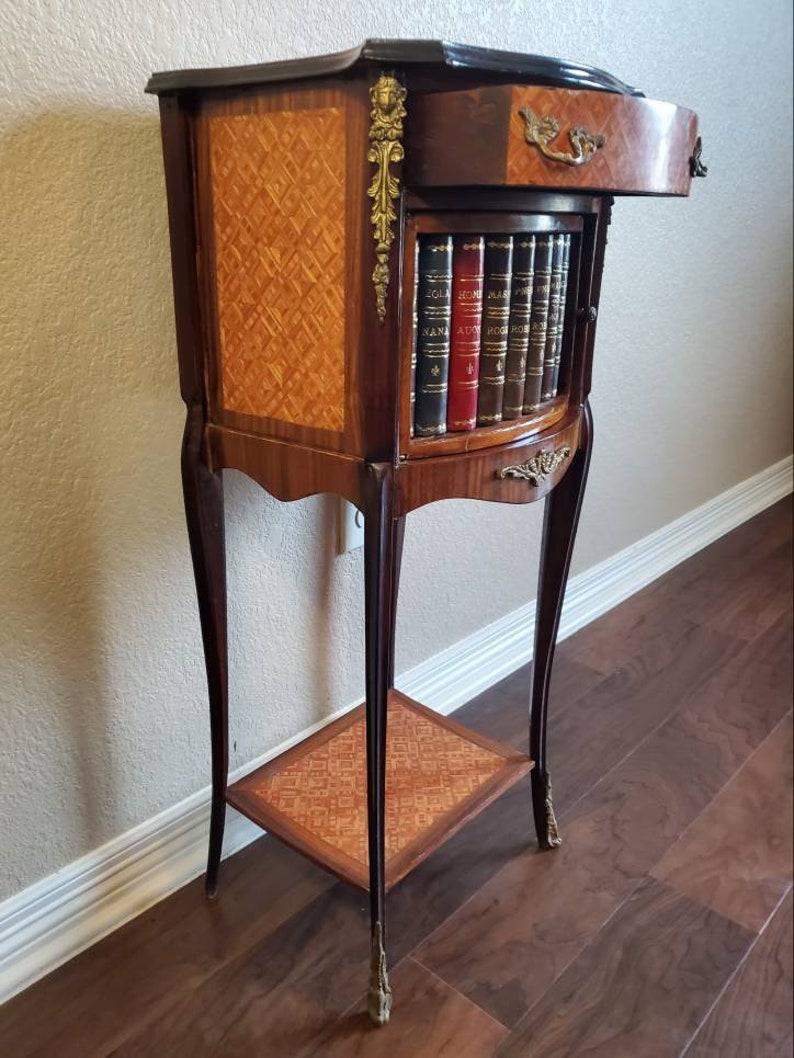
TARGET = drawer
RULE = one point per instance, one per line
(515, 473)
(529, 135)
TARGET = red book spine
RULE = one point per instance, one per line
(464, 357)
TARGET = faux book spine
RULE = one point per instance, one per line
(495, 319)
(566, 267)
(434, 310)
(518, 326)
(467, 292)
(414, 340)
(538, 322)
(554, 325)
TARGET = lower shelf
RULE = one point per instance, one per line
(438, 776)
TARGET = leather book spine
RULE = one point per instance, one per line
(538, 322)
(554, 322)
(434, 311)
(414, 339)
(566, 266)
(464, 357)
(495, 320)
(518, 325)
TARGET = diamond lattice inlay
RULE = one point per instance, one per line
(647, 144)
(278, 198)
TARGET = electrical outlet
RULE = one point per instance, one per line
(350, 527)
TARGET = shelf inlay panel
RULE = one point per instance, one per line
(437, 775)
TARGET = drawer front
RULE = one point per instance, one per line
(528, 135)
(517, 473)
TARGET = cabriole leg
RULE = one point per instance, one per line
(382, 536)
(561, 518)
(399, 538)
(203, 491)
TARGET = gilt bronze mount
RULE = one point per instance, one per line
(541, 133)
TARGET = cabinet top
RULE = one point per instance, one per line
(530, 69)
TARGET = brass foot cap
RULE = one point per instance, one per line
(379, 1006)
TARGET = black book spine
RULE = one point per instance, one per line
(554, 322)
(495, 320)
(415, 339)
(434, 312)
(538, 322)
(566, 267)
(518, 328)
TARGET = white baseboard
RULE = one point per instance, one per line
(53, 920)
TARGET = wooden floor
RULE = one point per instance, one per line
(662, 927)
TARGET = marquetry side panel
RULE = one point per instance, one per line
(278, 225)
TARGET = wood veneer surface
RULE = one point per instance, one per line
(275, 965)
(647, 144)
(278, 194)
(437, 774)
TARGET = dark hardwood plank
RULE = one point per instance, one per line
(502, 711)
(742, 702)
(734, 555)
(429, 1020)
(278, 998)
(519, 932)
(507, 943)
(721, 586)
(753, 1018)
(644, 630)
(736, 858)
(128, 979)
(641, 988)
(744, 594)
(592, 735)
(754, 605)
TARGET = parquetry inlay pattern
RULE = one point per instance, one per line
(648, 144)
(278, 192)
(429, 770)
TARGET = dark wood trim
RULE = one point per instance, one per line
(499, 200)
(561, 520)
(203, 492)
(399, 540)
(445, 57)
(175, 130)
(379, 588)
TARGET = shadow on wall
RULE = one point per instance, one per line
(90, 426)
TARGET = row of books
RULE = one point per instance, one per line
(489, 315)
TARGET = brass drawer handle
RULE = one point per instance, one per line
(541, 132)
(696, 166)
(538, 468)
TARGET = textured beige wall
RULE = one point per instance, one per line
(102, 705)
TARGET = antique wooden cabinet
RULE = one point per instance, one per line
(298, 195)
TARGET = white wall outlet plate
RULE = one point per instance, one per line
(350, 523)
